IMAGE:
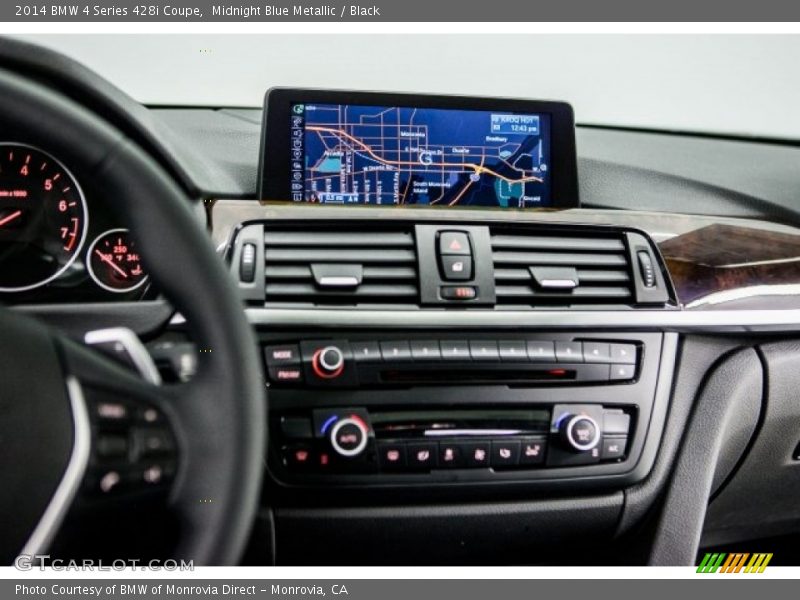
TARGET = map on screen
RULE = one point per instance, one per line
(352, 154)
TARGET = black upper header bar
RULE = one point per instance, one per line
(464, 11)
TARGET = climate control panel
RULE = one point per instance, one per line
(357, 440)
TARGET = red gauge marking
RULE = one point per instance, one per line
(10, 217)
(107, 258)
(42, 229)
(114, 263)
(73, 235)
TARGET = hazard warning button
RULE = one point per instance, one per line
(454, 243)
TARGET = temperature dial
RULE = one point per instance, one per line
(349, 436)
(114, 262)
(580, 432)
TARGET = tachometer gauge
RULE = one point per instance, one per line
(43, 218)
(114, 263)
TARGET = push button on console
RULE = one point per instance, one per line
(541, 352)
(282, 355)
(458, 292)
(391, 455)
(298, 456)
(532, 452)
(456, 268)
(454, 349)
(596, 352)
(513, 351)
(622, 372)
(623, 353)
(616, 422)
(613, 448)
(425, 350)
(422, 455)
(366, 351)
(476, 454)
(286, 374)
(505, 453)
(569, 352)
(450, 455)
(284, 364)
(454, 243)
(484, 350)
(395, 351)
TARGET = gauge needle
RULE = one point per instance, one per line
(107, 258)
(9, 218)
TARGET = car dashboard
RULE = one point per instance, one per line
(540, 404)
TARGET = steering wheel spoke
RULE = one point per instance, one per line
(133, 445)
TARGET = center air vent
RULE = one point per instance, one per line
(573, 268)
(340, 267)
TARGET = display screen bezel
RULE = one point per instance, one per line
(275, 156)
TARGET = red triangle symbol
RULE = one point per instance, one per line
(454, 245)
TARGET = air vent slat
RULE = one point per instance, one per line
(589, 276)
(513, 242)
(569, 259)
(526, 292)
(277, 272)
(299, 290)
(597, 261)
(370, 273)
(584, 275)
(338, 255)
(308, 266)
(394, 273)
(328, 239)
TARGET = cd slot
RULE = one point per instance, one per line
(473, 375)
(476, 373)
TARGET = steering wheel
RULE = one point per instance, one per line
(51, 386)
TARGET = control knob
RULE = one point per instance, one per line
(328, 362)
(349, 436)
(580, 433)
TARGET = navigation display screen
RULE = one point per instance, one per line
(393, 149)
(350, 154)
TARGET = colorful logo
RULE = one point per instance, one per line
(734, 563)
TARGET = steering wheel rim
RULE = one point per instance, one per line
(219, 416)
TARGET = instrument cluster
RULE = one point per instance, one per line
(58, 241)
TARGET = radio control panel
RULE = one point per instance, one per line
(344, 363)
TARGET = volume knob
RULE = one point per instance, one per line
(328, 362)
(580, 432)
